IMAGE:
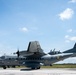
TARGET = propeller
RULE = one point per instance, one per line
(18, 53)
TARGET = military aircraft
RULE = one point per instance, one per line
(9, 61)
(53, 52)
(34, 57)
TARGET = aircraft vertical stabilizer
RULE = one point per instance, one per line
(73, 50)
(74, 46)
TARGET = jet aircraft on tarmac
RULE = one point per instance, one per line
(34, 57)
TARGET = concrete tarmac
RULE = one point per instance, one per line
(42, 71)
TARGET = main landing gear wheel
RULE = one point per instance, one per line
(38, 67)
(4, 67)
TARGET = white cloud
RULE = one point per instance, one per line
(66, 14)
(24, 29)
(70, 38)
(67, 36)
(72, 1)
(70, 30)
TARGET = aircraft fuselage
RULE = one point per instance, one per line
(34, 62)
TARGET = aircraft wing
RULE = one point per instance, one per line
(25, 53)
(34, 48)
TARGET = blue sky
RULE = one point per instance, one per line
(51, 22)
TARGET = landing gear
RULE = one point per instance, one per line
(38, 67)
(33, 68)
(13, 66)
(8, 66)
(4, 67)
(50, 64)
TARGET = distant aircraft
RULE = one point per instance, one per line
(53, 52)
(34, 57)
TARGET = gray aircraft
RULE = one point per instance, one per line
(9, 61)
(34, 57)
(53, 52)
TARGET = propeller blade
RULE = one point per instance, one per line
(18, 53)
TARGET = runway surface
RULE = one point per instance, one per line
(52, 71)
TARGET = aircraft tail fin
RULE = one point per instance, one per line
(34, 46)
(74, 45)
(73, 50)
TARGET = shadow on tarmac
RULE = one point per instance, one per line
(26, 69)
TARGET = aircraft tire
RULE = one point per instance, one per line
(4, 67)
(38, 67)
(50, 64)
